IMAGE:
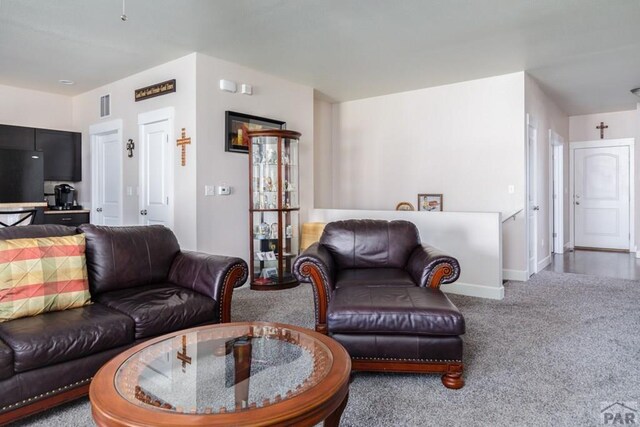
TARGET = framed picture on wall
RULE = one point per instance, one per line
(430, 202)
(238, 124)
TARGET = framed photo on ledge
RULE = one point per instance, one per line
(238, 124)
(430, 202)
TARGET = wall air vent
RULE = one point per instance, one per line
(105, 105)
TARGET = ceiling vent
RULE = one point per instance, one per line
(105, 105)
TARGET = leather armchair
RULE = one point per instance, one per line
(377, 292)
(370, 253)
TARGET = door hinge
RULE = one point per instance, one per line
(167, 200)
(555, 234)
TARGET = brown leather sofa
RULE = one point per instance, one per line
(142, 285)
(376, 291)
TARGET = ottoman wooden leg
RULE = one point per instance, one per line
(453, 378)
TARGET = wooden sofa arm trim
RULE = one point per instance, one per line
(440, 274)
(234, 277)
(320, 293)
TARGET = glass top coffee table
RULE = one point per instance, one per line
(229, 374)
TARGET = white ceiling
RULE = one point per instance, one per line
(584, 53)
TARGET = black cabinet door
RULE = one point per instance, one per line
(62, 154)
(17, 137)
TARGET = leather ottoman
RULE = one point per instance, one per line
(395, 328)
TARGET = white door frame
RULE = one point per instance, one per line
(556, 187)
(623, 142)
(531, 165)
(96, 130)
(148, 118)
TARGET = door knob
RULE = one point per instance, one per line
(536, 208)
(99, 210)
(143, 212)
(577, 203)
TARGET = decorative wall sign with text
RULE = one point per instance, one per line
(155, 90)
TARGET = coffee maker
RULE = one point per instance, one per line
(65, 195)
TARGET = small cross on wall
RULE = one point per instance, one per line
(602, 127)
(182, 143)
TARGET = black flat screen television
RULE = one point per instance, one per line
(21, 176)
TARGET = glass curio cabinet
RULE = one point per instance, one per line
(273, 208)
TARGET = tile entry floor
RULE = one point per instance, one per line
(597, 263)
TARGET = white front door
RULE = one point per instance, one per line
(107, 200)
(156, 172)
(601, 197)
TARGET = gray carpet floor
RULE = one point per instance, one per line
(548, 354)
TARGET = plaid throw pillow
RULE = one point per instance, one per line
(41, 275)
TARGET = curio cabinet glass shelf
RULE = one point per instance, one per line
(274, 208)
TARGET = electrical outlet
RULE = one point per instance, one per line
(129, 190)
(209, 190)
(511, 189)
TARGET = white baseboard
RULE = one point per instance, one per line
(544, 263)
(481, 291)
(637, 254)
(516, 275)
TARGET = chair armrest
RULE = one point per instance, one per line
(316, 265)
(430, 267)
(212, 275)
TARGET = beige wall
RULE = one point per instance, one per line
(223, 221)
(32, 108)
(547, 115)
(322, 153)
(464, 140)
(86, 112)
(622, 124)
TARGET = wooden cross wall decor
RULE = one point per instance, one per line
(602, 127)
(182, 143)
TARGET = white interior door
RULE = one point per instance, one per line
(601, 197)
(532, 205)
(557, 191)
(107, 203)
(156, 172)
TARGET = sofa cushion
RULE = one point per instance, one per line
(125, 257)
(52, 338)
(46, 230)
(373, 277)
(161, 308)
(6, 361)
(367, 243)
(29, 387)
(393, 310)
(39, 275)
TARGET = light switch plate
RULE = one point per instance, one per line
(209, 190)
